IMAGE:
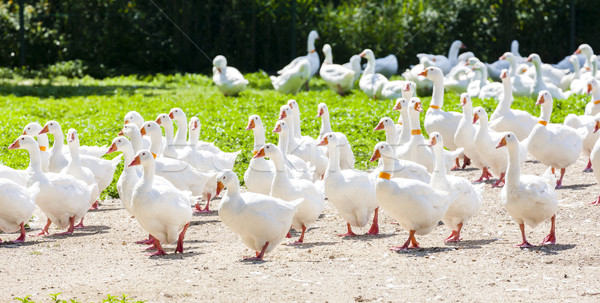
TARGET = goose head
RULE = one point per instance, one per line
(118, 144)
(508, 56)
(409, 86)
(254, 122)
(367, 54)
(294, 106)
(312, 36)
(415, 105)
(177, 114)
(72, 137)
(330, 139)
(285, 112)
(400, 104)
(51, 127)
(465, 100)
(270, 150)
(32, 129)
(479, 113)
(225, 179)
(435, 139)
(472, 61)
(355, 63)
(194, 124)
(281, 127)
(384, 123)
(534, 58)
(327, 52)
(592, 85)
(134, 117)
(432, 73)
(508, 140)
(544, 97)
(504, 74)
(129, 129)
(219, 62)
(596, 122)
(143, 158)
(24, 142)
(150, 127)
(322, 110)
(164, 120)
(457, 44)
(382, 150)
(585, 49)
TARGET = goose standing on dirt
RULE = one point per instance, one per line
(261, 221)
(17, 203)
(228, 79)
(528, 199)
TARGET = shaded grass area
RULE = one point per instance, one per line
(96, 109)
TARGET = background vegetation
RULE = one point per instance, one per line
(112, 37)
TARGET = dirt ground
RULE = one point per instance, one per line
(485, 267)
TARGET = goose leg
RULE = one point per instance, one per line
(500, 181)
(350, 232)
(259, 256)
(411, 242)
(301, 239)
(21, 238)
(525, 244)
(485, 173)
(205, 210)
(466, 162)
(551, 237)
(80, 225)
(588, 168)
(45, 229)
(159, 249)
(455, 236)
(597, 202)
(457, 165)
(374, 230)
(71, 226)
(94, 206)
(562, 174)
(179, 248)
(148, 241)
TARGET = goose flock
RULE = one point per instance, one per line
(166, 177)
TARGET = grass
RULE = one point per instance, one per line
(109, 299)
(96, 109)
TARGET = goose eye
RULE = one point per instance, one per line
(22, 139)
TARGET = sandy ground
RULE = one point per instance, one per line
(103, 259)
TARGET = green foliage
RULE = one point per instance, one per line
(109, 299)
(96, 109)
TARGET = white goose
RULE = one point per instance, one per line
(160, 208)
(228, 79)
(587, 122)
(442, 62)
(339, 78)
(465, 137)
(485, 139)
(347, 159)
(291, 80)
(528, 199)
(17, 203)
(593, 107)
(75, 169)
(259, 175)
(261, 221)
(195, 143)
(402, 168)
(132, 131)
(541, 84)
(403, 125)
(33, 129)
(285, 188)
(354, 64)
(350, 191)
(488, 89)
(505, 119)
(130, 175)
(298, 167)
(312, 57)
(521, 85)
(63, 198)
(565, 141)
(371, 83)
(416, 206)
(467, 200)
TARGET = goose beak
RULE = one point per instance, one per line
(418, 107)
(398, 106)
(462, 46)
(158, 121)
(475, 118)
(126, 121)
(406, 88)
(320, 113)
(136, 161)
(195, 125)
(577, 52)
(503, 75)
(589, 88)
(121, 133)
(540, 100)
(432, 142)
(260, 154)
(220, 187)
(282, 115)
(501, 143)
(111, 149)
(277, 128)
(143, 131)
(597, 126)
(463, 101)
(503, 57)
(70, 137)
(528, 59)
(24, 133)
(376, 155)
(44, 130)
(171, 115)
(423, 73)
(15, 145)
(250, 125)
(323, 142)
(379, 126)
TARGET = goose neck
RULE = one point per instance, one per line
(42, 140)
(507, 99)
(296, 125)
(513, 171)
(35, 160)
(333, 165)
(194, 137)
(325, 124)
(437, 98)
(182, 130)
(546, 111)
(278, 161)
(370, 68)
(259, 138)
(155, 143)
(284, 141)
(439, 168)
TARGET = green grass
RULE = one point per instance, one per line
(109, 299)
(96, 109)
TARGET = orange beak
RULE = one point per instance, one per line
(577, 52)
(277, 128)
(15, 145)
(24, 133)
(589, 88)
(540, 100)
(220, 187)
(501, 143)
(462, 46)
(282, 115)
(362, 54)
(597, 126)
(195, 125)
(376, 155)
(143, 131)
(44, 130)
(463, 101)
(379, 126)
(250, 125)
(503, 75)
(528, 59)
(475, 118)
(111, 149)
(432, 142)
(171, 115)
(260, 154)
(136, 161)
(502, 57)
(321, 112)
(398, 106)
(121, 133)
(290, 105)
(423, 73)
(406, 88)
(323, 142)
(158, 121)
(126, 122)
(71, 137)
(418, 107)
